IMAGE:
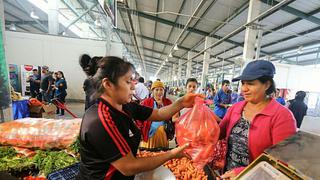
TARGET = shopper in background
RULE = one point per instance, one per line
(89, 66)
(234, 96)
(45, 85)
(53, 82)
(109, 138)
(60, 90)
(298, 107)
(191, 87)
(257, 117)
(153, 133)
(34, 81)
(222, 99)
(141, 90)
(279, 98)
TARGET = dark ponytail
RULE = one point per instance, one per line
(110, 67)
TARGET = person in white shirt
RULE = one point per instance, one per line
(141, 90)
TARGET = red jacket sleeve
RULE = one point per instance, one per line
(283, 127)
(224, 124)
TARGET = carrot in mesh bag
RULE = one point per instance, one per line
(40, 133)
(200, 129)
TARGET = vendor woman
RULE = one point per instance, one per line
(109, 138)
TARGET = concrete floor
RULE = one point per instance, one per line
(75, 107)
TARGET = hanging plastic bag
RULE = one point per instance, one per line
(200, 129)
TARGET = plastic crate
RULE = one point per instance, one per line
(67, 173)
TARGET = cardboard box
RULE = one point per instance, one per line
(49, 111)
(44, 111)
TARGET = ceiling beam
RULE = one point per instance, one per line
(294, 47)
(75, 12)
(238, 11)
(316, 11)
(134, 33)
(199, 19)
(22, 22)
(292, 37)
(152, 39)
(14, 16)
(295, 12)
(24, 11)
(155, 24)
(171, 29)
(177, 25)
(163, 42)
(276, 29)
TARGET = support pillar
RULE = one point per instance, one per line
(206, 58)
(189, 64)
(251, 31)
(258, 44)
(179, 77)
(53, 17)
(174, 74)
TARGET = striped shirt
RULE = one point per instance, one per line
(107, 135)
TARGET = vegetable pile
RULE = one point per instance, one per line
(182, 168)
(41, 164)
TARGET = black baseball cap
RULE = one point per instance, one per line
(256, 69)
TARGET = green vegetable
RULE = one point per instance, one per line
(45, 161)
(75, 147)
(49, 161)
(10, 162)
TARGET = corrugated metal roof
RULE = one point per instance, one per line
(152, 28)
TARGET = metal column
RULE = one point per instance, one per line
(189, 64)
(258, 43)
(251, 31)
(53, 17)
(179, 72)
(174, 74)
(206, 59)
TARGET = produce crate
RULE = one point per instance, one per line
(67, 173)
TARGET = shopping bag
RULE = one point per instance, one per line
(200, 129)
(219, 158)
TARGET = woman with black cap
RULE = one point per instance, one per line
(258, 117)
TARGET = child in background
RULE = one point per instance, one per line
(192, 85)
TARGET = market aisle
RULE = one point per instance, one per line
(76, 108)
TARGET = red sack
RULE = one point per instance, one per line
(200, 129)
(219, 158)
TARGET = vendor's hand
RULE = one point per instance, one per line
(188, 99)
(178, 152)
(228, 175)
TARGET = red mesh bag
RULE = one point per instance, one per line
(200, 129)
(219, 158)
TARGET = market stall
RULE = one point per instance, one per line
(36, 147)
(294, 158)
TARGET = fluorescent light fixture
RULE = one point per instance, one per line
(176, 48)
(300, 50)
(170, 55)
(167, 60)
(97, 22)
(13, 27)
(33, 15)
